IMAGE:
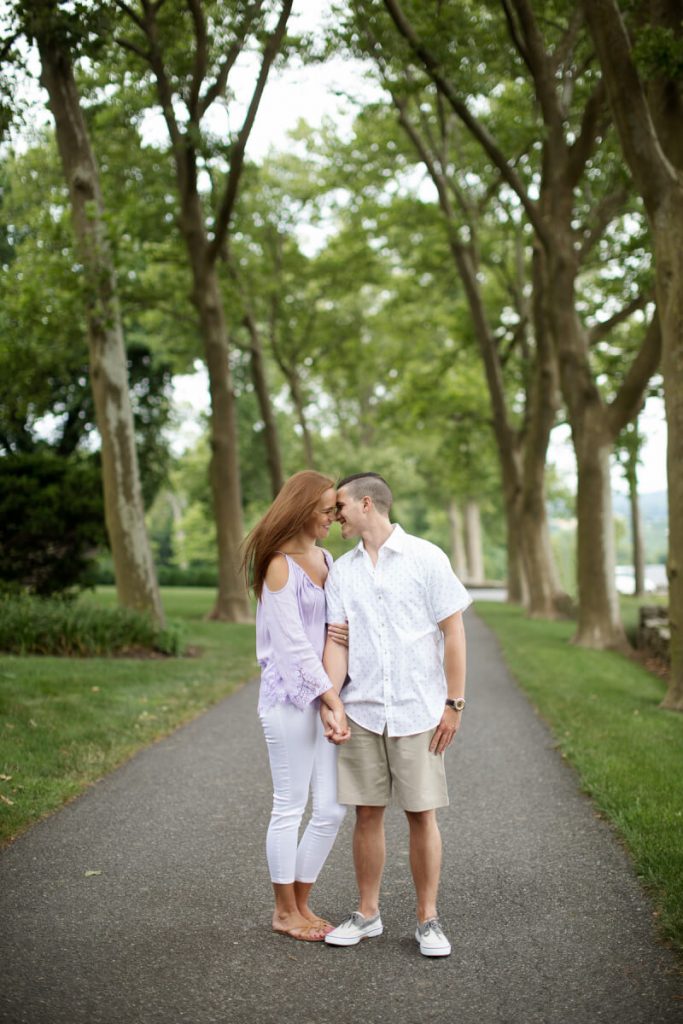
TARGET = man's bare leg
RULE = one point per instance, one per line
(368, 857)
(425, 860)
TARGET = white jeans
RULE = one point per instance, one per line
(300, 758)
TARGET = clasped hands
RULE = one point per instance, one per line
(335, 723)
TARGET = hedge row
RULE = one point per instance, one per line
(33, 625)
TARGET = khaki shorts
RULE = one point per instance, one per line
(371, 768)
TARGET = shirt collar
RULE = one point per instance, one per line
(395, 541)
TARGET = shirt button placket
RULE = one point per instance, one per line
(386, 688)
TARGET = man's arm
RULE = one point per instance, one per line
(336, 664)
(455, 664)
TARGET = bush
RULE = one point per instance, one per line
(51, 520)
(33, 625)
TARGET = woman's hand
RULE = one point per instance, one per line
(339, 632)
(335, 724)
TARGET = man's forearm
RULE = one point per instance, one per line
(455, 661)
(336, 663)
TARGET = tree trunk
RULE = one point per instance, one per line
(638, 552)
(600, 623)
(299, 405)
(136, 583)
(599, 616)
(258, 376)
(651, 142)
(517, 589)
(668, 232)
(473, 542)
(458, 555)
(232, 600)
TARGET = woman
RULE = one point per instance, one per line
(288, 573)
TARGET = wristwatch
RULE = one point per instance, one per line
(458, 704)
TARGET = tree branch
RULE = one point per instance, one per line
(626, 404)
(513, 29)
(605, 211)
(480, 133)
(130, 13)
(218, 86)
(566, 43)
(126, 44)
(270, 51)
(542, 70)
(601, 329)
(201, 57)
(652, 172)
(591, 123)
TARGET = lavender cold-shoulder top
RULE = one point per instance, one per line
(290, 637)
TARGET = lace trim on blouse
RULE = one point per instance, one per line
(308, 688)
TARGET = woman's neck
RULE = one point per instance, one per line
(300, 544)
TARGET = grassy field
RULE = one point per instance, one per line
(65, 722)
(604, 711)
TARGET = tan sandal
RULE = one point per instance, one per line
(305, 933)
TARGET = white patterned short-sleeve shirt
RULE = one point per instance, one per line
(396, 675)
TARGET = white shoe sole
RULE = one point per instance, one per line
(433, 950)
(342, 940)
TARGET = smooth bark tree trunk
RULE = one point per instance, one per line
(650, 135)
(517, 587)
(600, 623)
(232, 601)
(458, 554)
(136, 583)
(637, 546)
(299, 406)
(668, 231)
(473, 541)
(258, 376)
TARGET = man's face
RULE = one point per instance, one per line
(349, 514)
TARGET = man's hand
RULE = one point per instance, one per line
(335, 724)
(339, 632)
(445, 730)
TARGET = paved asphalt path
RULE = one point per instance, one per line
(547, 919)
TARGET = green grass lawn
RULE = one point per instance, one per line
(604, 711)
(65, 722)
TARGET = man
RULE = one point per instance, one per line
(404, 696)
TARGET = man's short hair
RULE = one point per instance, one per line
(371, 485)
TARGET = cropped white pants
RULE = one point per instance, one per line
(301, 759)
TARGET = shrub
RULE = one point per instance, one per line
(51, 520)
(34, 625)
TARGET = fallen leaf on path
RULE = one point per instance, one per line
(89, 874)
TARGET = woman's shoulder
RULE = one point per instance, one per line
(277, 573)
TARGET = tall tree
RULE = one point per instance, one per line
(647, 103)
(136, 582)
(571, 106)
(188, 81)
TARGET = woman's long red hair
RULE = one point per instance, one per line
(289, 513)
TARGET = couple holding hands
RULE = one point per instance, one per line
(362, 690)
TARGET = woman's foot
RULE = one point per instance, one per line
(314, 919)
(297, 926)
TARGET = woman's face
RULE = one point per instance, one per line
(324, 515)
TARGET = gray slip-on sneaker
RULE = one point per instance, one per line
(353, 929)
(431, 938)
